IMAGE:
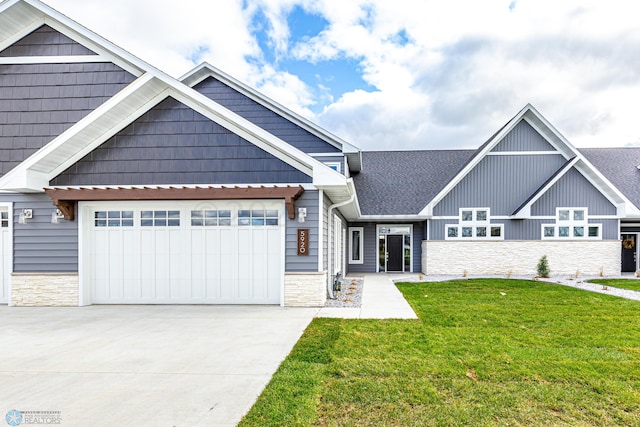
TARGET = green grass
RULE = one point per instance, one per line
(539, 355)
(631, 284)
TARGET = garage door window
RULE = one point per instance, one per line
(210, 218)
(4, 219)
(160, 218)
(113, 219)
(257, 217)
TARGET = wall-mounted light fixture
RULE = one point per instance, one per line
(56, 216)
(302, 214)
(25, 215)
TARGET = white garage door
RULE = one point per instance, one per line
(185, 252)
(5, 254)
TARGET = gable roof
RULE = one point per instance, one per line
(20, 17)
(206, 70)
(561, 144)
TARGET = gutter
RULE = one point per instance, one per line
(329, 231)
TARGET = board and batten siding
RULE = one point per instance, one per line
(419, 234)
(523, 229)
(40, 246)
(293, 261)
(369, 252)
(573, 190)
(263, 117)
(174, 144)
(326, 202)
(523, 138)
(501, 183)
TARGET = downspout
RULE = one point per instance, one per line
(329, 227)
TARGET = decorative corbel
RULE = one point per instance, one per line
(67, 207)
(290, 203)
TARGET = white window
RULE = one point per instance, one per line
(257, 217)
(335, 166)
(113, 219)
(160, 218)
(337, 245)
(572, 223)
(4, 219)
(356, 240)
(210, 218)
(474, 224)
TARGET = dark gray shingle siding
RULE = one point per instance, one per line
(40, 101)
(45, 41)
(173, 144)
(263, 117)
(403, 182)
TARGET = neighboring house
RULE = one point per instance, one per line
(120, 184)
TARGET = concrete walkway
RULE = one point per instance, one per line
(381, 299)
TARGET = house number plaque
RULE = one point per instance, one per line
(303, 241)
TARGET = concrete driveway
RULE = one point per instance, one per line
(142, 365)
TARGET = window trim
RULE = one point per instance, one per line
(474, 224)
(360, 259)
(336, 166)
(571, 224)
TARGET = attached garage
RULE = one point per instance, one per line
(182, 252)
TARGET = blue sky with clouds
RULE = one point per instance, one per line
(398, 74)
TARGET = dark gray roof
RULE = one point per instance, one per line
(403, 182)
(618, 165)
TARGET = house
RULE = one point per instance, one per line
(122, 185)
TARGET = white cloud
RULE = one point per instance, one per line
(444, 74)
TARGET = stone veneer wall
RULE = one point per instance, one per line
(305, 289)
(44, 289)
(521, 257)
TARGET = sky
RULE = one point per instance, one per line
(403, 74)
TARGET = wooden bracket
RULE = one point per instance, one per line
(67, 207)
(65, 198)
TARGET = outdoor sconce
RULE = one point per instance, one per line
(25, 215)
(56, 216)
(302, 214)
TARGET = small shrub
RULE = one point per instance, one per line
(543, 267)
(601, 271)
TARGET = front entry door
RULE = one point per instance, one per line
(395, 260)
(628, 253)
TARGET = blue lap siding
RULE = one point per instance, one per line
(40, 246)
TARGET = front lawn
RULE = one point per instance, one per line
(631, 284)
(484, 352)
